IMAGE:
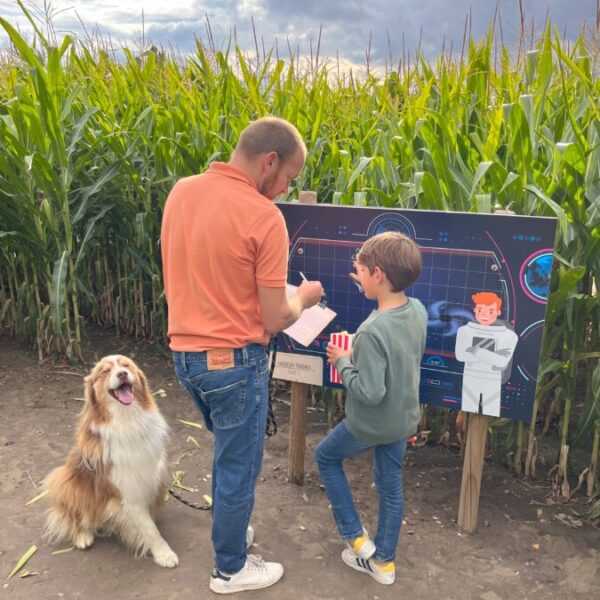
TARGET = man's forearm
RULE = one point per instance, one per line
(278, 311)
(295, 308)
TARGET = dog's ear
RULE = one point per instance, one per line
(90, 394)
(144, 389)
(143, 382)
(93, 410)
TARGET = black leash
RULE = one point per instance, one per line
(271, 422)
(195, 505)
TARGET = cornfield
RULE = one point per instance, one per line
(91, 142)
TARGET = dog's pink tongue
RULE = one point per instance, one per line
(124, 394)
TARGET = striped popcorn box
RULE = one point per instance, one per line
(343, 340)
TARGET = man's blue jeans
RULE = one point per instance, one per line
(387, 470)
(234, 404)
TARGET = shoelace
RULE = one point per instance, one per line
(255, 562)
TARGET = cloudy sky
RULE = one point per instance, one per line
(347, 25)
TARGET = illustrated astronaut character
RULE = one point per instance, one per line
(486, 346)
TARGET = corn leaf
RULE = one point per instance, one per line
(23, 560)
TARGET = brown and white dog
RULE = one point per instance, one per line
(113, 480)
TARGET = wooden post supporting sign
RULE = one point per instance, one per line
(299, 392)
(468, 506)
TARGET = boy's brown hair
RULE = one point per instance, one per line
(396, 255)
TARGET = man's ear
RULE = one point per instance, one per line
(271, 159)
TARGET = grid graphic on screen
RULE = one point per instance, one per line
(448, 280)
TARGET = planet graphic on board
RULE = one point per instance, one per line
(391, 222)
(535, 275)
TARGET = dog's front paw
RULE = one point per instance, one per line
(165, 557)
(84, 540)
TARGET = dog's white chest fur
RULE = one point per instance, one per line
(134, 446)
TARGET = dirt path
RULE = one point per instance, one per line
(521, 551)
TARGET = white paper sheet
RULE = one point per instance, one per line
(311, 323)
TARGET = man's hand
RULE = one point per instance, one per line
(334, 352)
(277, 311)
(310, 292)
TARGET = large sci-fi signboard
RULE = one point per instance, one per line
(484, 282)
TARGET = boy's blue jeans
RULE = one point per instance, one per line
(387, 469)
(234, 404)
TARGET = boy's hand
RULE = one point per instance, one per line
(356, 280)
(334, 352)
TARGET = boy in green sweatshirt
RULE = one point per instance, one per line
(381, 375)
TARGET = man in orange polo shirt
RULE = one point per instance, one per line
(225, 255)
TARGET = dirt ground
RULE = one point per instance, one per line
(521, 550)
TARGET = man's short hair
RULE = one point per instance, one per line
(396, 255)
(271, 134)
(487, 298)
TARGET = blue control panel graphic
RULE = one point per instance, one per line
(463, 254)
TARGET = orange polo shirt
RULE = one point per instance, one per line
(220, 239)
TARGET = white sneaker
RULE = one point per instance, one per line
(254, 575)
(249, 536)
(362, 546)
(382, 572)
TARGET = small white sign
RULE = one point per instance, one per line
(299, 368)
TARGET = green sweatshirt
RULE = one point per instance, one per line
(382, 376)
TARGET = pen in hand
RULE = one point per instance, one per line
(323, 301)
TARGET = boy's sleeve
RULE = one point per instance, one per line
(364, 375)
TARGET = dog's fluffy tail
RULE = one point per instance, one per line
(78, 504)
(60, 524)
